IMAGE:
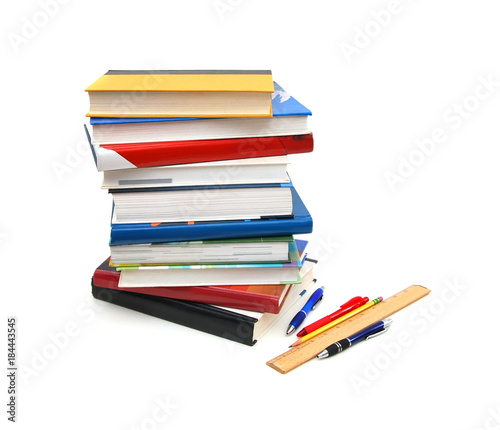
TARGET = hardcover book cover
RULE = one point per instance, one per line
(185, 80)
(151, 154)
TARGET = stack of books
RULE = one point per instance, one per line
(204, 212)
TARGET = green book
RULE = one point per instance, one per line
(264, 250)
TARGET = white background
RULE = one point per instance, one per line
(374, 90)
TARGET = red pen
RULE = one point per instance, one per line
(352, 304)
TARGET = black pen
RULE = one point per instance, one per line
(368, 333)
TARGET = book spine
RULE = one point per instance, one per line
(298, 144)
(198, 316)
(106, 277)
(145, 233)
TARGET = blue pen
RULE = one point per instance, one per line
(311, 304)
(374, 330)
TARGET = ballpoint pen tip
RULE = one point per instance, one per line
(323, 354)
(290, 329)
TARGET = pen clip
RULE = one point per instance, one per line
(317, 303)
(377, 334)
(358, 300)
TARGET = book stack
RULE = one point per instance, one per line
(204, 212)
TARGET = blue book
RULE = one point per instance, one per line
(301, 222)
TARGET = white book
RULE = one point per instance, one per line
(198, 129)
(201, 275)
(259, 170)
(202, 204)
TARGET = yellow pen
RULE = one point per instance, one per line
(337, 321)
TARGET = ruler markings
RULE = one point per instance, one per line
(300, 354)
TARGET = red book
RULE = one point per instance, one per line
(259, 298)
(149, 154)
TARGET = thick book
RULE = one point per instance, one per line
(201, 203)
(245, 327)
(289, 117)
(259, 170)
(300, 223)
(273, 249)
(181, 93)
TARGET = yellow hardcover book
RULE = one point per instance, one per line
(182, 93)
(185, 80)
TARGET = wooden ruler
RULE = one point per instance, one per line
(300, 354)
